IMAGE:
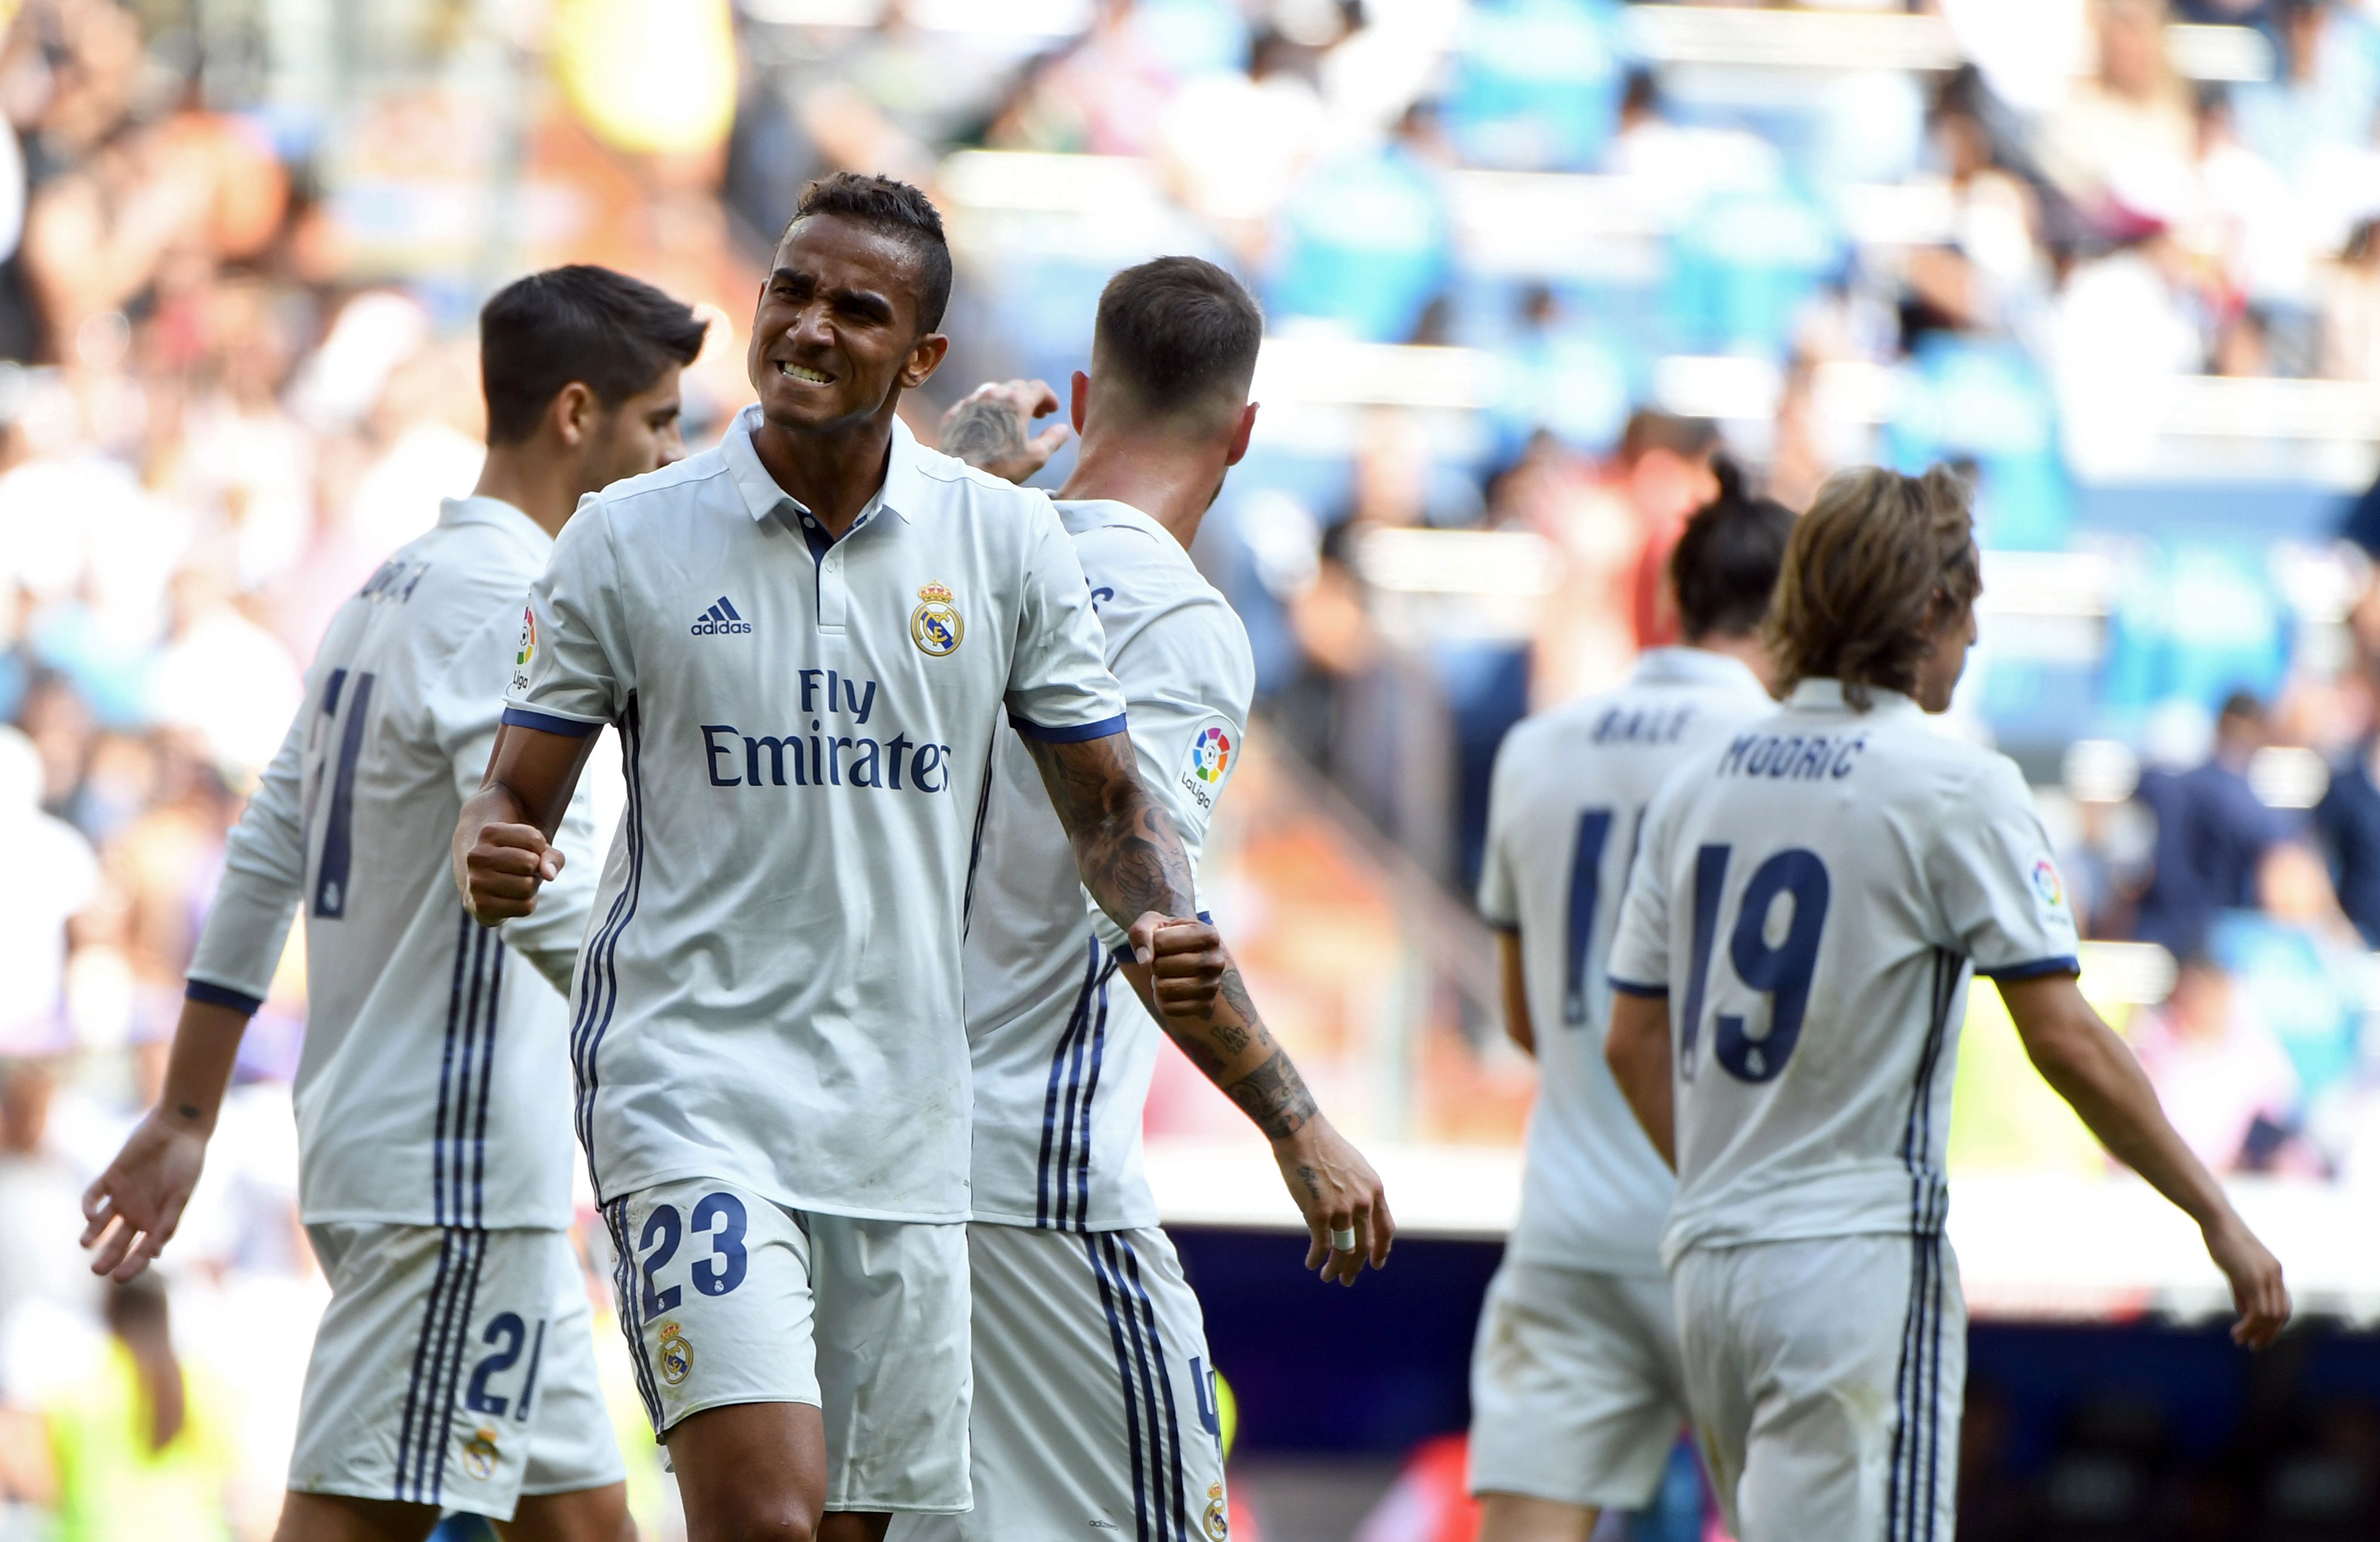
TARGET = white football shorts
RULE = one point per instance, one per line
(453, 1367)
(726, 1297)
(1096, 1412)
(1827, 1379)
(1577, 1393)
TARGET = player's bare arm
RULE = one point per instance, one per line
(503, 850)
(1131, 860)
(1637, 1047)
(1334, 1187)
(130, 1211)
(1517, 1024)
(991, 428)
(2085, 1063)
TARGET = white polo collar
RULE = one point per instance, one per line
(1826, 696)
(902, 490)
(1694, 667)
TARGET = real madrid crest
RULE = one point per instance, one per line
(479, 1453)
(935, 625)
(1219, 1521)
(676, 1355)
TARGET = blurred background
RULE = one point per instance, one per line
(1528, 266)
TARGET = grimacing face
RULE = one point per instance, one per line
(836, 333)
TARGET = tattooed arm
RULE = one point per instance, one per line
(1131, 860)
(987, 429)
(1334, 1187)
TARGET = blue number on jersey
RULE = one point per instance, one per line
(1783, 973)
(338, 843)
(1585, 893)
(714, 1278)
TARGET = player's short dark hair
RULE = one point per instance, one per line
(1872, 572)
(1727, 561)
(897, 209)
(1178, 334)
(613, 334)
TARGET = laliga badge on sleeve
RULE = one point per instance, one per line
(935, 625)
(1212, 750)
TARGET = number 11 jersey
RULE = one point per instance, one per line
(1811, 897)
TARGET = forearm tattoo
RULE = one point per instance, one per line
(1220, 1036)
(1274, 1096)
(1125, 847)
(982, 432)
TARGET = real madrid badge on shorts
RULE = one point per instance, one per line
(481, 1455)
(676, 1355)
(935, 625)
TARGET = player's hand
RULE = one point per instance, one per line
(504, 870)
(131, 1210)
(1186, 962)
(1336, 1191)
(990, 427)
(2257, 1288)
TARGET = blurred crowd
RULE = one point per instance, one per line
(237, 369)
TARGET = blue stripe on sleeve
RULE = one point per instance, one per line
(1631, 988)
(223, 995)
(1076, 734)
(546, 723)
(2033, 970)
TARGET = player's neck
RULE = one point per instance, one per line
(1745, 647)
(1173, 484)
(830, 471)
(534, 483)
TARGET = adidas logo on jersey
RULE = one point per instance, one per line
(720, 621)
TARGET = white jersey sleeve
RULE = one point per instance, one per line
(263, 877)
(463, 705)
(1500, 899)
(1058, 688)
(1184, 680)
(570, 667)
(1992, 874)
(1640, 950)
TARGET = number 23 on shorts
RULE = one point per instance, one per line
(1780, 971)
(717, 1217)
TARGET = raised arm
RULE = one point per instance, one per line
(2085, 1063)
(504, 849)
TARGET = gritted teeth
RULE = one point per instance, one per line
(796, 371)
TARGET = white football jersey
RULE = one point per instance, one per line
(1064, 1050)
(770, 996)
(433, 1088)
(1811, 897)
(1564, 812)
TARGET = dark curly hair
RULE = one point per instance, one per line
(1872, 572)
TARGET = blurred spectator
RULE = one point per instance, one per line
(1366, 240)
(141, 1451)
(2323, 87)
(1991, 265)
(42, 1274)
(2350, 315)
(2216, 1068)
(2216, 840)
(2347, 820)
(2131, 120)
(1663, 474)
(52, 877)
(1235, 143)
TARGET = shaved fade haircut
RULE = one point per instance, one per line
(890, 208)
(1177, 338)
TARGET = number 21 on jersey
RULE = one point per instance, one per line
(1794, 879)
